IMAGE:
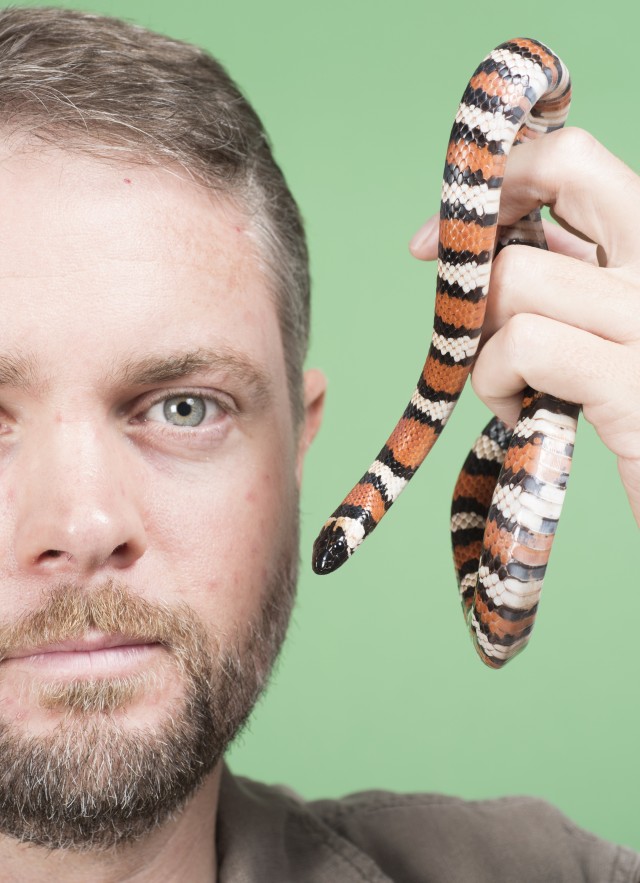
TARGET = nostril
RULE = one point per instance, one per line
(88, 554)
(54, 553)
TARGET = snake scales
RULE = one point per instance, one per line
(510, 491)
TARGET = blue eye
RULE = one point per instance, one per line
(182, 410)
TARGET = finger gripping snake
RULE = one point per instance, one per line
(508, 496)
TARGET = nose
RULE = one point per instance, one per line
(77, 509)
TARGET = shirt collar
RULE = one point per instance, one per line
(270, 835)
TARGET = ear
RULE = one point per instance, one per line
(315, 387)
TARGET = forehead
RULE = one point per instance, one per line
(121, 258)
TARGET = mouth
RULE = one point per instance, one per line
(94, 654)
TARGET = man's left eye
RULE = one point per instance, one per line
(183, 410)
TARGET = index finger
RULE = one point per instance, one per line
(588, 187)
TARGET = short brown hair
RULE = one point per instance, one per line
(110, 88)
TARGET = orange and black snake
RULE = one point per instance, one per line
(508, 497)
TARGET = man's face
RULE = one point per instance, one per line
(148, 461)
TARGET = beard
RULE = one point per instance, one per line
(94, 783)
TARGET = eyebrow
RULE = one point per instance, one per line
(148, 370)
(21, 372)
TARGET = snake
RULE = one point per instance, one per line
(509, 495)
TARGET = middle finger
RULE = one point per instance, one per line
(528, 280)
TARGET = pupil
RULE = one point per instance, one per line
(184, 409)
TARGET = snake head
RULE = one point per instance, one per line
(330, 550)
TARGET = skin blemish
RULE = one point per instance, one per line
(127, 180)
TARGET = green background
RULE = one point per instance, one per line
(378, 685)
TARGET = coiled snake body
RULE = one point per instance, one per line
(508, 497)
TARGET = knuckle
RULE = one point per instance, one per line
(514, 264)
(506, 267)
(572, 146)
(521, 335)
(479, 379)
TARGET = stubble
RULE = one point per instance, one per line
(94, 782)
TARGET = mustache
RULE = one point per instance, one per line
(69, 610)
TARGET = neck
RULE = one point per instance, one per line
(181, 849)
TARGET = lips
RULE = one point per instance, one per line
(89, 643)
(93, 655)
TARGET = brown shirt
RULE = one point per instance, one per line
(269, 835)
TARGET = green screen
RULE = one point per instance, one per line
(378, 685)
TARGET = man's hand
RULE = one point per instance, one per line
(567, 321)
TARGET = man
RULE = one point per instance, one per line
(154, 419)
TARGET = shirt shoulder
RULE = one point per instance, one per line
(436, 838)
(268, 834)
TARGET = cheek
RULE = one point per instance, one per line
(228, 533)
